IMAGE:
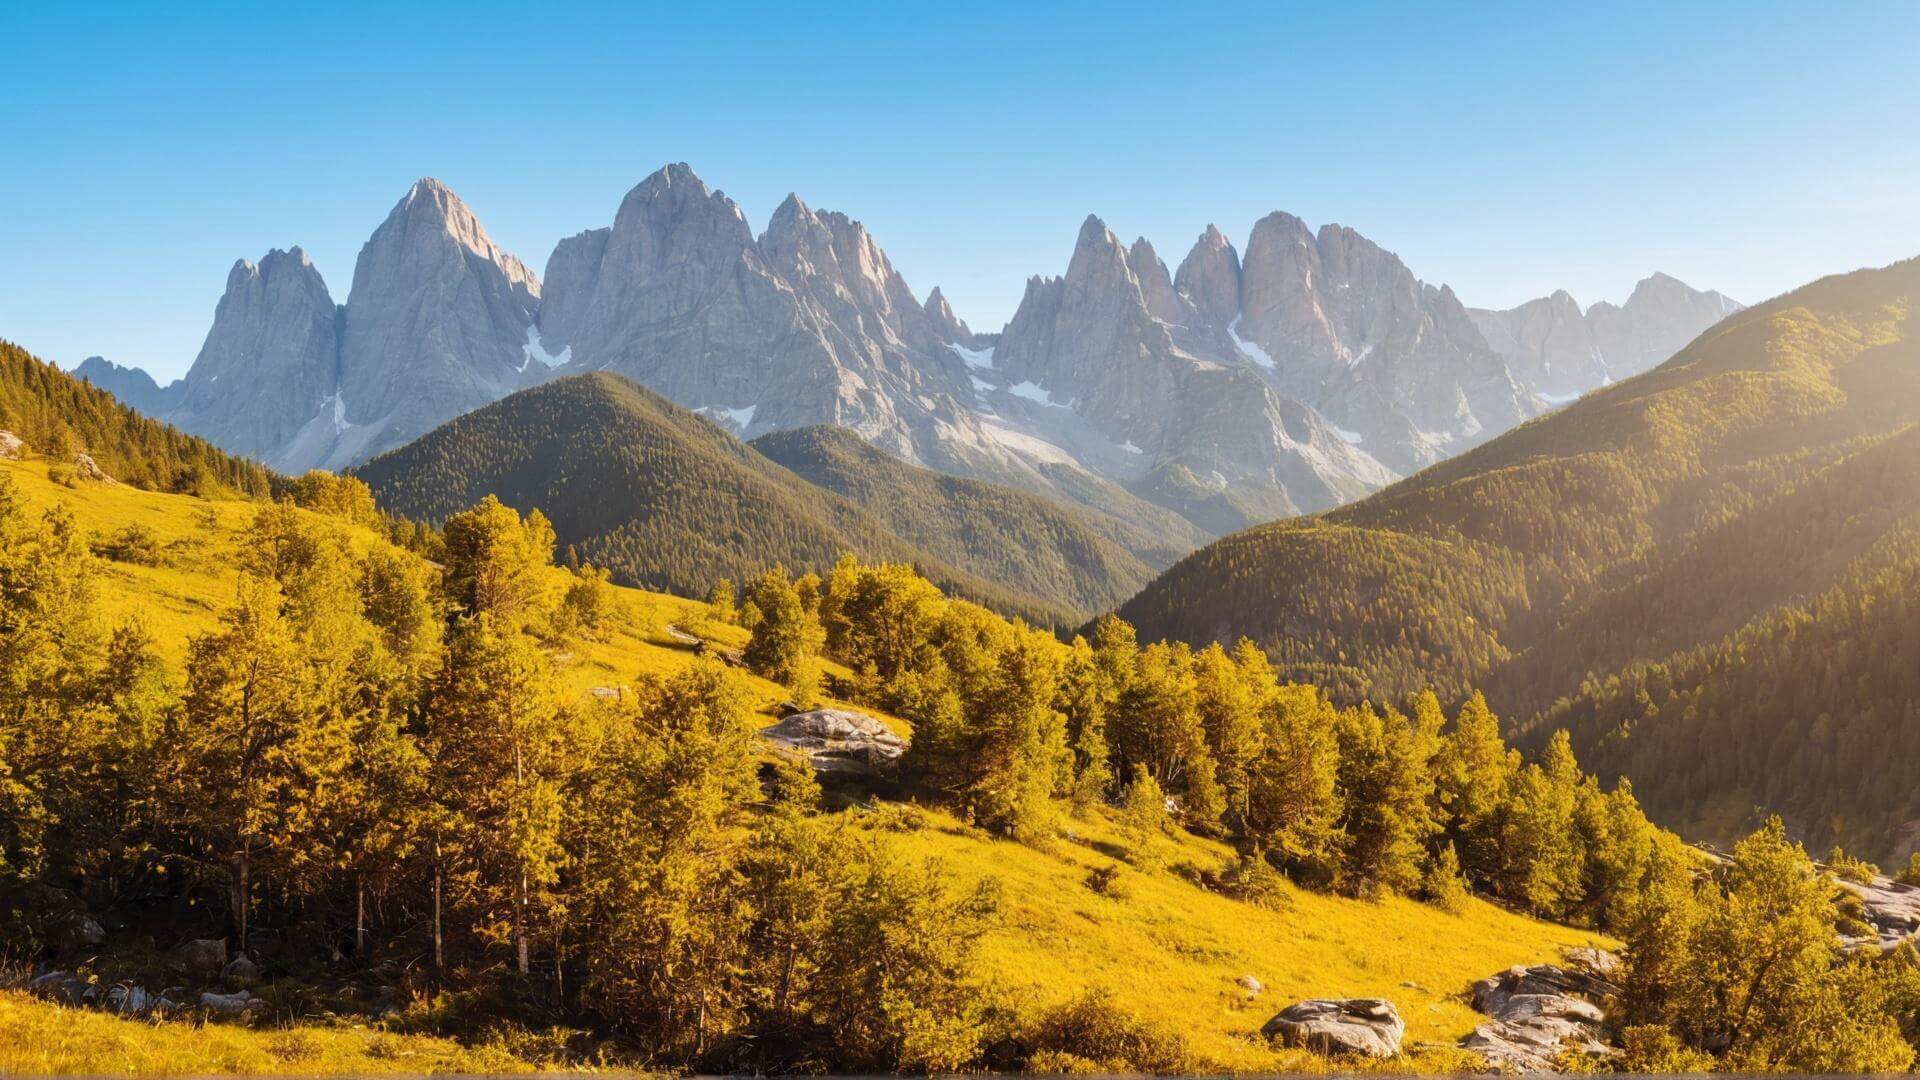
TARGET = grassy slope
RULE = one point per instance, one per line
(1172, 952)
(37, 1038)
(1169, 950)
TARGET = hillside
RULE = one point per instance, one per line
(1765, 471)
(60, 415)
(1076, 556)
(658, 495)
(1164, 947)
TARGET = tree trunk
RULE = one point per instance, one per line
(520, 923)
(242, 891)
(439, 952)
(359, 919)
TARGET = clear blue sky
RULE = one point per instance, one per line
(1505, 150)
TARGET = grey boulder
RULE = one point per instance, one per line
(1540, 1013)
(238, 1003)
(202, 956)
(837, 741)
(1368, 1027)
(63, 987)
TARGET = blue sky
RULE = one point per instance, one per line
(1507, 150)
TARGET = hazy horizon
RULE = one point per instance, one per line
(1500, 150)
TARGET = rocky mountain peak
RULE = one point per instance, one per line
(674, 206)
(1209, 277)
(1156, 285)
(951, 328)
(432, 205)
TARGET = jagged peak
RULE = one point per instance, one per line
(1095, 231)
(677, 187)
(1142, 256)
(432, 204)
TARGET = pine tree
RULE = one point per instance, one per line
(786, 638)
(501, 754)
(494, 561)
(249, 735)
(1293, 800)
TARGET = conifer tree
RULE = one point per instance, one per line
(501, 753)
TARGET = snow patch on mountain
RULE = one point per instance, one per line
(975, 358)
(1252, 352)
(534, 350)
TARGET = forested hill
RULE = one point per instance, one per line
(1075, 556)
(654, 493)
(59, 416)
(1677, 519)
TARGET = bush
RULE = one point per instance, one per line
(1911, 875)
(1255, 881)
(1109, 881)
(1092, 1029)
(134, 544)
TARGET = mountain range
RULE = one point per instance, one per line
(1187, 403)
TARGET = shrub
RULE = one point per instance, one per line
(1109, 881)
(134, 544)
(1092, 1029)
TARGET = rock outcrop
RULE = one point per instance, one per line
(12, 447)
(1367, 1027)
(837, 741)
(1559, 352)
(1891, 908)
(1540, 1013)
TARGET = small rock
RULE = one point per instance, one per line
(12, 447)
(81, 929)
(1250, 984)
(202, 956)
(238, 1003)
(240, 969)
(89, 469)
(129, 999)
(63, 987)
(1369, 1027)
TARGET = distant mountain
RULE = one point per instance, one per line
(1559, 352)
(1067, 555)
(1184, 403)
(1086, 362)
(667, 499)
(438, 323)
(1701, 560)
(130, 385)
